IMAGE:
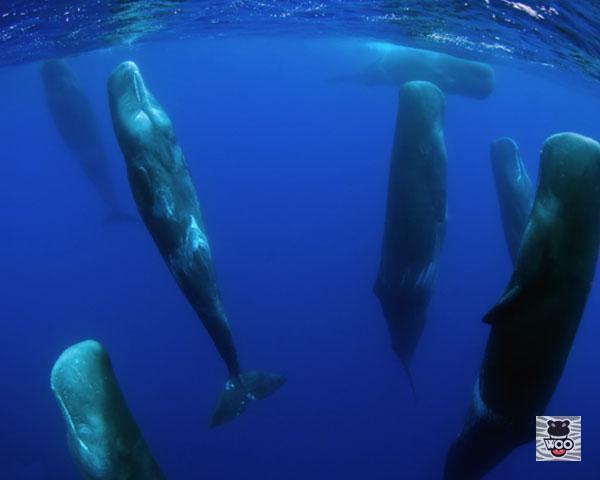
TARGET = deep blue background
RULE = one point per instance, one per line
(291, 172)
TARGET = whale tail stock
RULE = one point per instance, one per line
(241, 391)
(486, 441)
(410, 378)
(405, 314)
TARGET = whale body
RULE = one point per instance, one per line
(514, 190)
(76, 123)
(167, 201)
(394, 65)
(415, 218)
(103, 437)
(535, 322)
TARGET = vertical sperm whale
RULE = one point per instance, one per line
(514, 190)
(535, 322)
(415, 219)
(74, 118)
(103, 437)
(167, 201)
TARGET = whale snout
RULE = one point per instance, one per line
(126, 84)
(570, 169)
(506, 159)
(504, 147)
(138, 119)
(483, 80)
(76, 383)
(72, 375)
(54, 69)
(423, 103)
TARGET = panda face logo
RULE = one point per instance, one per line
(558, 439)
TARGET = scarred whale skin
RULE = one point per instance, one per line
(76, 122)
(514, 190)
(396, 64)
(103, 438)
(167, 201)
(415, 216)
(535, 322)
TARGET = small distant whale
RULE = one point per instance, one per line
(395, 64)
(168, 203)
(103, 437)
(514, 189)
(75, 120)
(535, 322)
(415, 221)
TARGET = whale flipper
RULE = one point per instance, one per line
(240, 392)
(507, 304)
(531, 277)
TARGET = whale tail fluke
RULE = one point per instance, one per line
(241, 391)
(116, 217)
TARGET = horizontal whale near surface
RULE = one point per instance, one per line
(393, 65)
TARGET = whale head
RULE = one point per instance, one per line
(570, 170)
(103, 437)
(138, 119)
(476, 78)
(78, 381)
(505, 156)
(421, 108)
(506, 161)
(53, 70)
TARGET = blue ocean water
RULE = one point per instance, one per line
(291, 171)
